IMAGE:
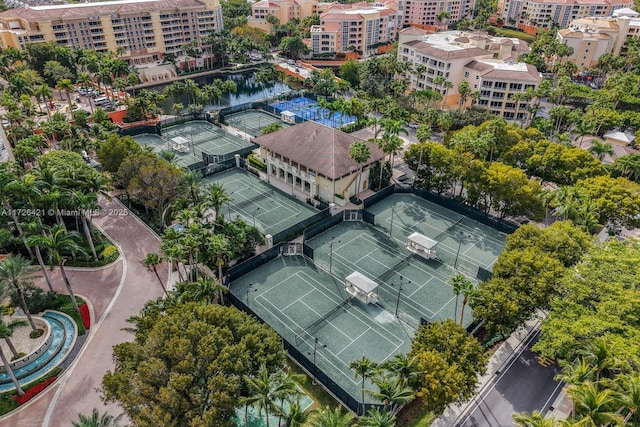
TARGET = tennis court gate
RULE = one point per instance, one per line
(352, 215)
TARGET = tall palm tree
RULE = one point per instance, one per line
(151, 261)
(264, 391)
(192, 181)
(598, 353)
(6, 331)
(296, 416)
(327, 417)
(9, 371)
(97, 420)
(218, 250)
(535, 419)
(377, 418)
(360, 153)
(33, 228)
(206, 290)
(363, 369)
(214, 197)
(59, 242)
(469, 294)
(67, 86)
(15, 272)
(457, 283)
(594, 407)
(600, 149)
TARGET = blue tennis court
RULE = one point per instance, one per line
(308, 109)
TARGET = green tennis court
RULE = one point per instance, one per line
(304, 303)
(253, 121)
(462, 242)
(206, 137)
(159, 144)
(197, 137)
(417, 287)
(258, 203)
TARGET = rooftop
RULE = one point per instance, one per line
(83, 10)
(497, 69)
(317, 147)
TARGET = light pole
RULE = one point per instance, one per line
(250, 288)
(393, 211)
(253, 215)
(399, 293)
(316, 344)
(331, 253)
(460, 235)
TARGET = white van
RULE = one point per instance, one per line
(102, 101)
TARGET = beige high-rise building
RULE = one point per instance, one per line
(544, 13)
(489, 64)
(425, 12)
(146, 29)
(354, 27)
(592, 37)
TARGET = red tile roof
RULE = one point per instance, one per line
(317, 147)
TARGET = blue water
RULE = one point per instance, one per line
(64, 331)
(308, 109)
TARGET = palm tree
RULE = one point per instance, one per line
(628, 394)
(327, 417)
(218, 249)
(296, 416)
(378, 418)
(97, 420)
(469, 293)
(392, 392)
(594, 406)
(599, 355)
(443, 16)
(600, 149)
(9, 371)
(59, 241)
(44, 93)
(35, 227)
(191, 181)
(151, 262)
(535, 419)
(15, 272)
(457, 283)
(363, 368)
(264, 391)
(583, 128)
(6, 331)
(206, 290)
(68, 87)
(214, 197)
(360, 153)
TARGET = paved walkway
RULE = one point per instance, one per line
(116, 292)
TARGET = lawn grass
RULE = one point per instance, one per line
(505, 32)
(319, 395)
(414, 415)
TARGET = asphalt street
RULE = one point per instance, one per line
(524, 386)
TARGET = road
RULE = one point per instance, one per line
(524, 386)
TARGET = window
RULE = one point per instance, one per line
(466, 74)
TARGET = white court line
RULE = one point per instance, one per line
(328, 322)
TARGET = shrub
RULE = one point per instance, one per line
(84, 315)
(110, 253)
(339, 196)
(355, 200)
(36, 333)
(256, 163)
(33, 391)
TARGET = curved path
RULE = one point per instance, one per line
(116, 293)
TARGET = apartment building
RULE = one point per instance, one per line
(354, 27)
(425, 12)
(284, 10)
(544, 13)
(146, 29)
(489, 64)
(592, 37)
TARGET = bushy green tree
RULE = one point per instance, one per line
(186, 365)
(448, 363)
(115, 149)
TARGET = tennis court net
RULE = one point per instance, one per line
(243, 203)
(449, 228)
(387, 274)
(308, 330)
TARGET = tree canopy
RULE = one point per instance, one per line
(186, 365)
